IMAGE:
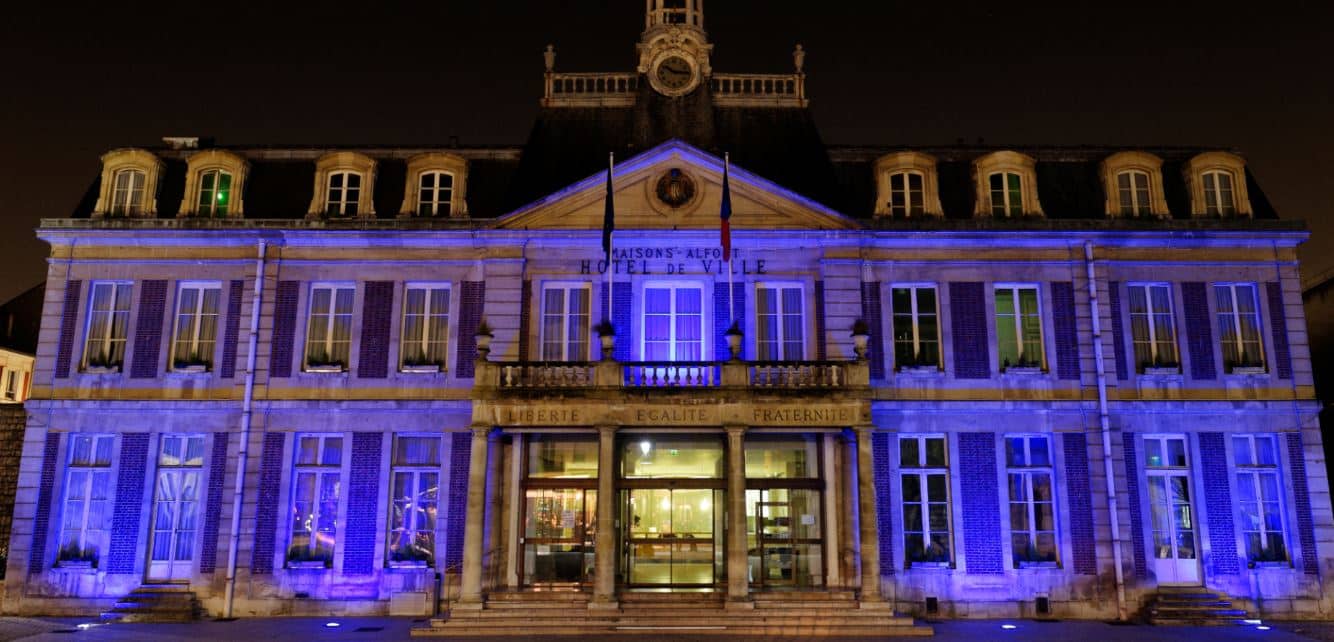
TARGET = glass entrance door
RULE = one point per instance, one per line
(783, 538)
(560, 527)
(1167, 468)
(671, 537)
(176, 508)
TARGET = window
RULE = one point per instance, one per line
(1007, 194)
(436, 193)
(1218, 199)
(1239, 325)
(1259, 497)
(916, 327)
(11, 385)
(415, 500)
(906, 185)
(196, 325)
(779, 323)
(1152, 327)
(425, 327)
(924, 473)
(1032, 503)
(329, 335)
(673, 322)
(87, 509)
(565, 321)
(215, 193)
(905, 194)
(316, 483)
(127, 195)
(1217, 185)
(344, 194)
(1006, 184)
(1018, 327)
(108, 320)
(1134, 193)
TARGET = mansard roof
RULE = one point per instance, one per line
(782, 146)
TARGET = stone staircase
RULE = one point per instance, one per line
(155, 603)
(693, 614)
(1192, 606)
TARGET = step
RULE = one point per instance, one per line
(1184, 606)
(1197, 613)
(813, 630)
(1157, 621)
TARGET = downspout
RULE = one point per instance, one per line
(242, 454)
(1105, 424)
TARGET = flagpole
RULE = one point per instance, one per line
(611, 165)
(731, 289)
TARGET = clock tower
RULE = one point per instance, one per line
(674, 50)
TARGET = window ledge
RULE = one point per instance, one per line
(101, 370)
(931, 567)
(921, 372)
(1023, 372)
(1248, 371)
(324, 370)
(189, 372)
(308, 566)
(1166, 371)
(1271, 566)
(431, 369)
(1038, 566)
(75, 567)
(407, 566)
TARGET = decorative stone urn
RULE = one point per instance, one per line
(607, 337)
(860, 334)
(483, 338)
(734, 335)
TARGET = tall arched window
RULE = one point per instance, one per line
(1218, 196)
(127, 193)
(905, 194)
(435, 194)
(215, 193)
(1006, 184)
(1007, 194)
(344, 194)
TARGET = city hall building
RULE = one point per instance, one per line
(966, 380)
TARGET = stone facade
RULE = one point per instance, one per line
(378, 400)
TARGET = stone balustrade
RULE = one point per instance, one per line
(760, 375)
(798, 374)
(668, 374)
(590, 89)
(753, 90)
(547, 374)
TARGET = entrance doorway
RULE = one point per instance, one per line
(1167, 468)
(560, 527)
(784, 540)
(171, 551)
(672, 539)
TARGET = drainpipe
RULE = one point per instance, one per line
(1104, 420)
(242, 455)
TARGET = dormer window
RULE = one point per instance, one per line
(436, 185)
(127, 196)
(906, 185)
(129, 184)
(1007, 194)
(343, 183)
(215, 193)
(1133, 184)
(213, 185)
(1133, 190)
(344, 194)
(436, 194)
(1006, 185)
(1218, 199)
(1217, 185)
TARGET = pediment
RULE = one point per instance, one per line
(676, 186)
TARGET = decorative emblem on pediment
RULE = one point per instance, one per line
(675, 188)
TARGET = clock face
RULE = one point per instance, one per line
(675, 73)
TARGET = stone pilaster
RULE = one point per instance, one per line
(870, 536)
(470, 590)
(604, 563)
(738, 579)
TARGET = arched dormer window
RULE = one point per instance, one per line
(906, 185)
(1217, 185)
(129, 184)
(437, 184)
(1006, 185)
(1133, 184)
(343, 186)
(213, 184)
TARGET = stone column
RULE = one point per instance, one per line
(492, 545)
(870, 534)
(604, 560)
(470, 591)
(738, 577)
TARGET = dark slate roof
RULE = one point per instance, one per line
(21, 318)
(783, 145)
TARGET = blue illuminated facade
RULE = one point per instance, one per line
(371, 380)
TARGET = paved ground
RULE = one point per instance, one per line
(367, 629)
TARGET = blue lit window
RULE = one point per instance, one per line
(1032, 500)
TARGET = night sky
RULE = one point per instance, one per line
(76, 82)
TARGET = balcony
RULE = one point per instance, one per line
(638, 375)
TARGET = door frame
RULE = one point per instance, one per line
(1168, 472)
(201, 501)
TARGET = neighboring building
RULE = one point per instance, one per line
(1318, 298)
(19, 320)
(1077, 358)
(15, 376)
